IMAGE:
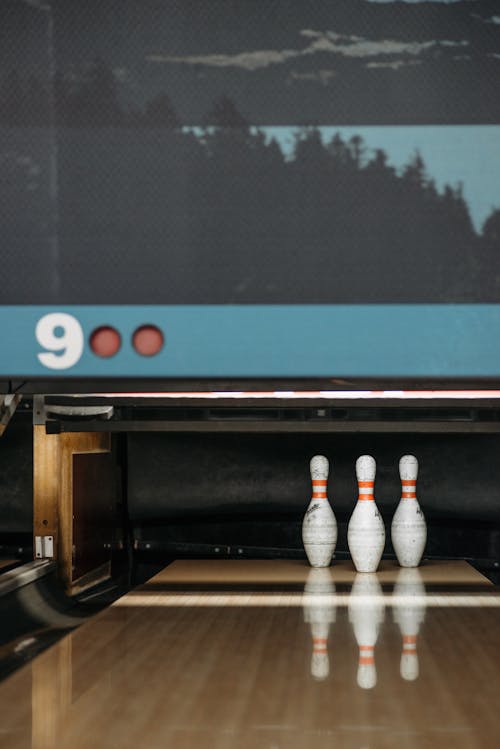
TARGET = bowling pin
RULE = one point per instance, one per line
(366, 532)
(408, 529)
(366, 614)
(319, 527)
(409, 613)
(319, 612)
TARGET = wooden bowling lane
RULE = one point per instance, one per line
(287, 572)
(381, 665)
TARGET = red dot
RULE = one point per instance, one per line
(105, 341)
(148, 340)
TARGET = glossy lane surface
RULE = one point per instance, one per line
(272, 654)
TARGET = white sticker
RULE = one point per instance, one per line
(61, 336)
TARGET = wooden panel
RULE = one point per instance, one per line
(93, 503)
(217, 675)
(71, 444)
(53, 488)
(46, 484)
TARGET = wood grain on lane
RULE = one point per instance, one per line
(225, 676)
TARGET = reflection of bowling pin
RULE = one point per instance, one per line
(319, 611)
(409, 613)
(408, 529)
(319, 527)
(366, 533)
(366, 613)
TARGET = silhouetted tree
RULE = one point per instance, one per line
(380, 159)
(225, 114)
(103, 94)
(273, 155)
(337, 148)
(456, 210)
(226, 217)
(93, 102)
(491, 227)
(160, 112)
(342, 153)
(309, 148)
(357, 149)
(414, 172)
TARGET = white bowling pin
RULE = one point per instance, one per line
(319, 612)
(409, 613)
(319, 527)
(366, 532)
(408, 529)
(366, 614)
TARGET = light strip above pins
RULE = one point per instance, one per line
(408, 529)
(319, 527)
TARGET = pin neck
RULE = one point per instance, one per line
(319, 488)
(409, 642)
(365, 490)
(320, 644)
(408, 489)
(366, 655)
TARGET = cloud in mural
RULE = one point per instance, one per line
(393, 64)
(328, 42)
(321, 76)
(486, 19)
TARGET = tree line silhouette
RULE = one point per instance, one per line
(222, 215)
(93, 101)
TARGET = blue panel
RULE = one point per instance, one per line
(271, 341)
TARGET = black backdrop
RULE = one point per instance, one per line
(253, 489)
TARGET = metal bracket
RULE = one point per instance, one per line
(44, 547)
(8, 405)
(42, 412)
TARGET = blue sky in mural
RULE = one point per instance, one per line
(453, 154)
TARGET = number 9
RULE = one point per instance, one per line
(69, 343)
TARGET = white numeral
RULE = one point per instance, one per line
(69, 344)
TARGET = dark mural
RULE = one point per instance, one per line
(137, 165)
(283, 62)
